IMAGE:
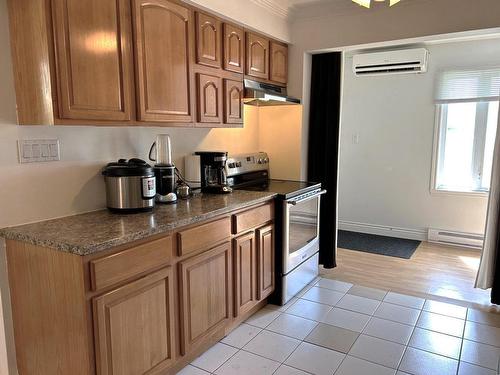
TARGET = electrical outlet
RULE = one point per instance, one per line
(38, 150)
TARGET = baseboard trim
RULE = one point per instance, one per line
(383, 230)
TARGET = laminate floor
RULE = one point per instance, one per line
(335, 327)
(445, 272)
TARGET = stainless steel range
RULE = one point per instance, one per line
(297, 221)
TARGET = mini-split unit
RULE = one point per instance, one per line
(391, 62)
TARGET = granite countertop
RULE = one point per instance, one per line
(92, 232)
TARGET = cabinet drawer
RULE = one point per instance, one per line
(112, 269)
(253, 218)
(204, 236)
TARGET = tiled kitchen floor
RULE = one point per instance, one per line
(337, 328)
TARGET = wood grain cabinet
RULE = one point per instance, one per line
(206, 295)
(257, 56)
(234, 48)
(265, 261)
(209, 95)
(162, 57)
(208, 40)
(245, 271)
(233, 102)
(93, 42)
(134, 326)
(278, 62)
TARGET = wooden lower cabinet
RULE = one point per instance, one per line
(265, 260)
(245, 273)
(205, 295)
(134, 326)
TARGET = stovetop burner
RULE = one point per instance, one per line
(284, 188)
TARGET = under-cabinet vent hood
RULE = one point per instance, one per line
(266, 94)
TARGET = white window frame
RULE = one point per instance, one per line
(478, 149)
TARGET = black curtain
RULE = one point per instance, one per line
(324, 120)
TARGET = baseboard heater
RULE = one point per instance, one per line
(447, 237)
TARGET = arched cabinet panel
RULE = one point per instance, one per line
(234, 48)
(209, 98)
(233, 102)
(208, 40)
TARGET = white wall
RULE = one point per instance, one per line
(385, 178)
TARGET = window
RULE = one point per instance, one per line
(467, 118)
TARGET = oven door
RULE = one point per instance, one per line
(301, 229)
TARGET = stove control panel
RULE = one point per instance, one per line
(244, 163)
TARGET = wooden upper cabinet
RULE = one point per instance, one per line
(162, 45)
(134, 326)
(209, 98)
(278, 63)
(234, 48)
(206, 294)
(233, 102)
(257, 56)
(94, 59)
(208, 40)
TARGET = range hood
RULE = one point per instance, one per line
(266, 94)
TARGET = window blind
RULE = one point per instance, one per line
(468, 85)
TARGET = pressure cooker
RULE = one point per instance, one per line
(130, 186)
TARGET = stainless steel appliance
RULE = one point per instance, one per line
(266, 94)
(213, 172)
(130, 186)
(297, 221)
(164, 169)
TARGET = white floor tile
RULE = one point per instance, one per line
(331, 337)
(491, 319)
(291, 325)
(445, 309)
(315, 359)
(321, 295)
(191, 370)
(419, 362)
(214, 357)
(436, 342)
(372, 293)
(309, 309)
(346, 319)
(244, 363)
(263, 318)
(272, 346)
(397, 313)
(304, 291)
(356, 366)
(385, 353)
(284, 307)
(241, 335)
(480, 354)
(388, 330)
(359, 304)
(287, 370)
(441, 323)
(404, 300)
(339, 286)
(482, 333)
(465, 368)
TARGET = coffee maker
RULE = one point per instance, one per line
(164, 169)
(213, 172)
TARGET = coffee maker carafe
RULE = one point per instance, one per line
(213, 172)
(164, 169)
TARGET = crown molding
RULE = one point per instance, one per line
(273, 7)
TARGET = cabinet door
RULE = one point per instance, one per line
(234, 48)
(94, 59)
(245, 271)
(134, 326)
(257, 56)
(265, 261)
(209, 98)
(233, 102)
(208, 40)
(206, 294)
(279, 63)
(162, 40)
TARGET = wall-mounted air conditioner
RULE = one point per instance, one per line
(391, 62)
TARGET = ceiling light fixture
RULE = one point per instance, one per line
(367, 3)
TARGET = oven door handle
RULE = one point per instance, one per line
(293, 202)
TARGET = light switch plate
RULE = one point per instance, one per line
(38, 150)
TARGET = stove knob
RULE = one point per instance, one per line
(231, 165)
(260, 161)
(266, 160)
(238, 164)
